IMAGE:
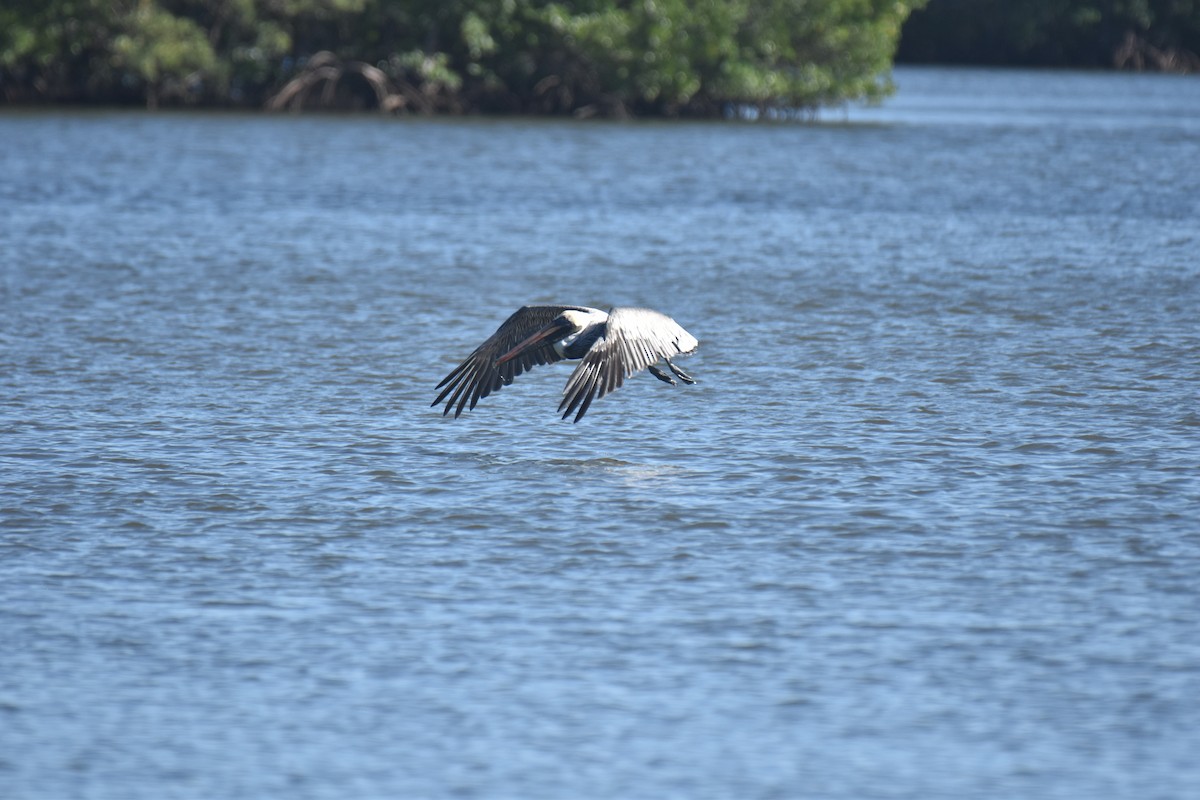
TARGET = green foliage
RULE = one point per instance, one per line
(55, 48)
(161, 51)
(612, 57)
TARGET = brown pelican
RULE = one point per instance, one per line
(612, 346)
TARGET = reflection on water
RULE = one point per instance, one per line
(924, 529)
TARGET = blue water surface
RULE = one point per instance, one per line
(925, 528)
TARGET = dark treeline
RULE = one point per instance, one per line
(607, 57)
(1127, 34)
(582, 57)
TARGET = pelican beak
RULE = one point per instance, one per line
(559, 329)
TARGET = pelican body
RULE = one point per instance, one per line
(611, 346)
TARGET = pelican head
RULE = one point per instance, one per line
(562, 330)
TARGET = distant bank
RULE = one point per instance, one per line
(1162, 35)
(613, 58)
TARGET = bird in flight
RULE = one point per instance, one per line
(611, 346)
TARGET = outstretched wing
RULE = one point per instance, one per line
(479, 376)
(633, 339)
